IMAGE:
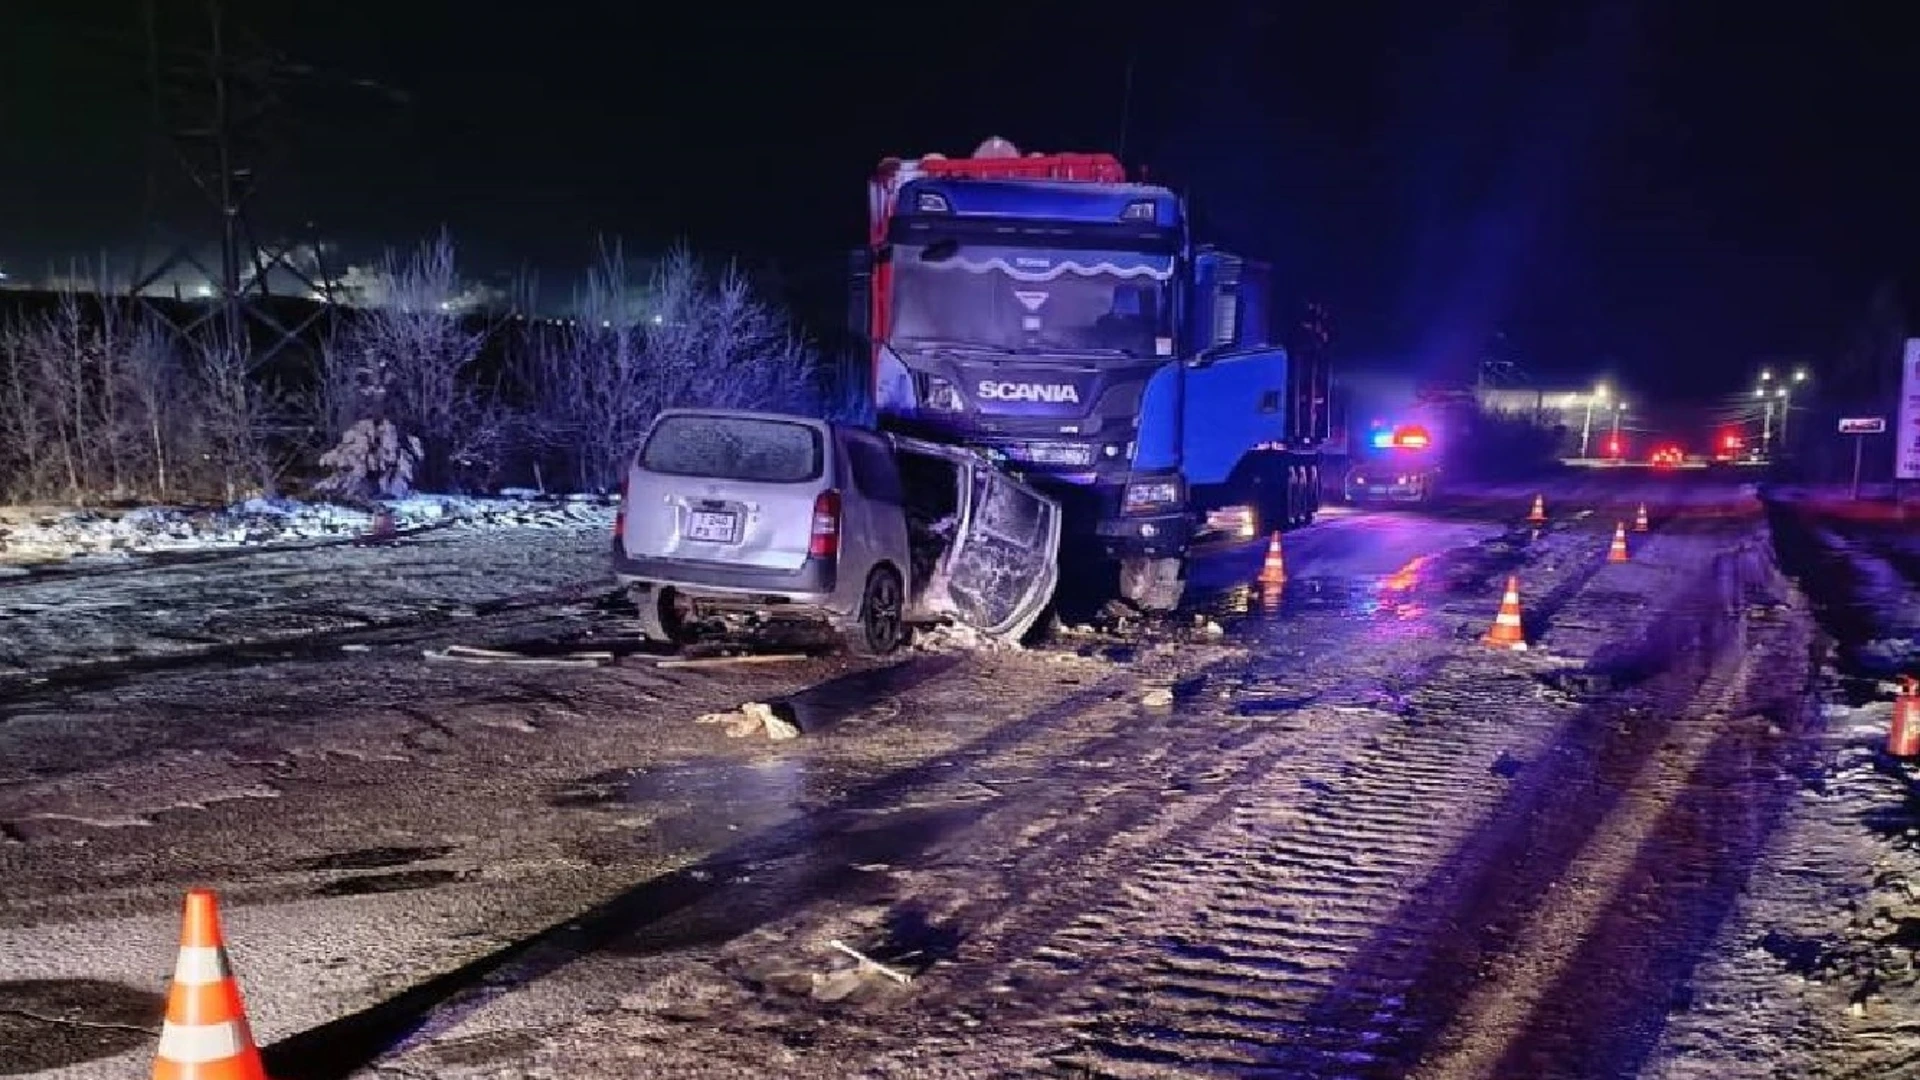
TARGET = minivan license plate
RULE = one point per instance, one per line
(708, 525)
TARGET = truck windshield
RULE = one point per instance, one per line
(1030, 300)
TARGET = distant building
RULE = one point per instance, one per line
(1546, 407)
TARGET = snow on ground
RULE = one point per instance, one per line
(1819, 961)
(139, 613)
(1680, 490)
(39, 537)
(1876, 502)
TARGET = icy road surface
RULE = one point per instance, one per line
(1339, 839)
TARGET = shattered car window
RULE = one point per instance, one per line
(995, 568)
(1007, 513)
(733, 448)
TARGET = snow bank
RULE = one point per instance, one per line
(1694, 492)
(89, 535)
(1877, 502)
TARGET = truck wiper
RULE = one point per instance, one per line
(943, 345)
(1068, 352)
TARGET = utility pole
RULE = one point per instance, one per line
(210, 148)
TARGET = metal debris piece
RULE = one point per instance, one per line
(719, 661)
(473, 654)
(871, 964)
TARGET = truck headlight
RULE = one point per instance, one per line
(941, 395)
(1152, 495)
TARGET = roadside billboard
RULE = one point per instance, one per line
(1906, 441)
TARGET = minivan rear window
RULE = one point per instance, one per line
(733, 448)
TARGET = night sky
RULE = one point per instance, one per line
(1674, 192)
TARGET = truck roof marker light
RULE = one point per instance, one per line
(933, 203)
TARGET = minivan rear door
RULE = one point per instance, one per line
(731, 488)
(1004, 563)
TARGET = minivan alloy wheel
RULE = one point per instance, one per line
(882, 615)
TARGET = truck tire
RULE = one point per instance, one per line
(661, 620)
(1153, 584)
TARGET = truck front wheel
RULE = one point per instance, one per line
(1153, 584)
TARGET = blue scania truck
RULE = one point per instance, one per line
(1048, 311)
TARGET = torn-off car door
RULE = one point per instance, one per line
(1000, 564)
(1004, 563)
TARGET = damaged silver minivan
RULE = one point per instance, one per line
(729, 512)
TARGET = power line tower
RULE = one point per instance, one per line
(215, 92)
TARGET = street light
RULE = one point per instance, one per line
(1766, 416)
(1586, 426)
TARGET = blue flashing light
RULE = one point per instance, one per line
(1383, 439)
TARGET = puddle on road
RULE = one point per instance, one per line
(1268, 706)
(56, 1023)
(693, 804)
(377, 858)
(1407, 592)
(399, 881)
(1392, 595)
(777, 782)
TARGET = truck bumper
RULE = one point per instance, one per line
(1164, 536)
(811, 586)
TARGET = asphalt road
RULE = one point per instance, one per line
(1317, 830)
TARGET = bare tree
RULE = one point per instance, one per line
(589, 377)
(682, 337)
(712, 342)
(94, 402)
(152, 374)
(408, 360)
(57, 364)
(234, 412)
(25, 435)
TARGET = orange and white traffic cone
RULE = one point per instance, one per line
(1617, 551)
(1903, 735)
(206, 1036)
(1538, 515)
(1274, 570)
(1640, 519)
(1507, 632)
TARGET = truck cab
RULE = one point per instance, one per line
(1058, 317)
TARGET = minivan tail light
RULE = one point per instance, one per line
(825, 543)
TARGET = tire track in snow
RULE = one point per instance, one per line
(1175, 842)
(1254, 945)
